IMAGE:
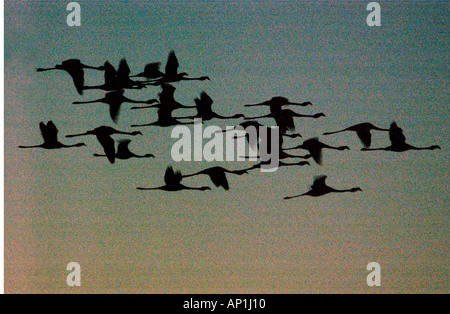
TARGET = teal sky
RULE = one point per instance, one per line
(66, 206)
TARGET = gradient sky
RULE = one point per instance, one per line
(66, 206)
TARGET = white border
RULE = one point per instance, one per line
(2, 151)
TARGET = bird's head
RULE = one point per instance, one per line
(149, 156)
(80, 145)
(136, 133)
(356, 190)
(317, 116)
(435, 147)
(205, 188)
(344, 148)
(204, 78)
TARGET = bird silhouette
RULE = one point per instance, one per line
(320, 188)
(165, 119)
(363, 131)
(124, 153)
(205, 112)
(280, 164)
(173, 183)
(103, 135)
(117, 80)
(75, 69)
(115, 99)
(49, 133)
(276, 104)
(398, 142)
(171, 74)
(315, 148)
(285, 119)
(166, 100)
(151, 71)
(218, 176)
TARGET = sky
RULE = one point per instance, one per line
(66, 206)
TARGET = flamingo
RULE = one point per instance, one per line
(320, 188)
(276, 103)
(124, 153)
(205, 112)
(166, 100)
(165, 119)
(218, 175)
(103, 135)
(151, 71)
(171, 74)
(398, 142)
(75, 69)
(173, 183)
(285, 119)
(49, 133)
(315, 147)
(117, 80)
(115, 99)
(363, 130)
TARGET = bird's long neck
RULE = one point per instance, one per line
(35, 146)
(260, 117)
(192, 189)
(294, 197)
(342, 191)
(78, 135)
(336, 132)
(88, 102)
(46, 69)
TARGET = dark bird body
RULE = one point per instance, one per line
(49, 133)
(398, 142)
(76, 70)
(124, 153)
(320, 188)
(363, 131)
(173, 183)
(218, 175)
(103, 135)
(315, 148)
(172, 75)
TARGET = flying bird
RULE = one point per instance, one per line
(49, 133)
(363, 131)
(103, 135)
(173, 183)
(75, 69)
(205, 112)
(276, 104)
(320, 188)
(151, 71)
(124, 153)
(315, 148)
(218, 175)
(115, 99)
(117, 79)
(172, 75)
(285, 119)
(398, 142)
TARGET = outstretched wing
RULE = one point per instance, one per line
(123, 72)
(366, 137)
(122, 148)
(151, 70)
(171, 177)
(314, 147)
(220, 180)
(396, 135)
(49, 132)
(77, 75)
(110, 74)
(319, 183)
(172, 64)
(107, 143)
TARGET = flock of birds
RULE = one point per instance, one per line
(116, 82)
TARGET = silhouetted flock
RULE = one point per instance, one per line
(116, 82)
